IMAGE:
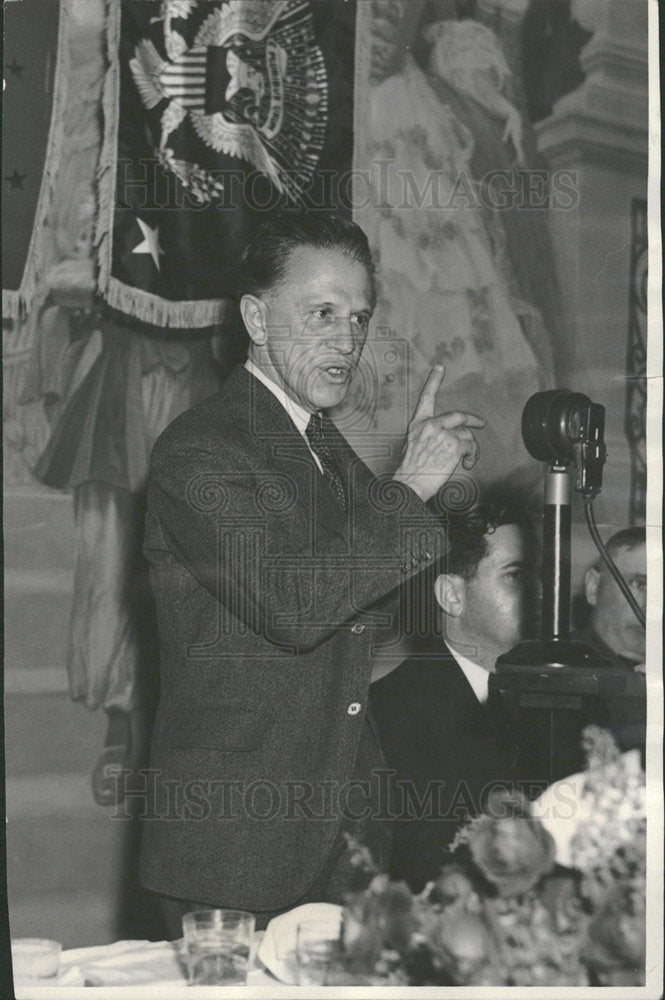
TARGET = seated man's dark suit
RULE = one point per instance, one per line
(438, 737)
(264, 588)
(625, 716)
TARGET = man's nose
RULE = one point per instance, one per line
(343, 338)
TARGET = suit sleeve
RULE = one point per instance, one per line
(244, 542)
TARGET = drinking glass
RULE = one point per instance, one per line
(317, 945)
(217, 943)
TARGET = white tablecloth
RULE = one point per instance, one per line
(131, 963)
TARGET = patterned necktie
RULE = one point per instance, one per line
(317, 443)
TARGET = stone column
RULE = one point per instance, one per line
(600, 131)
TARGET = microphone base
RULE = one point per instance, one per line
(561, 655)
(542, 695)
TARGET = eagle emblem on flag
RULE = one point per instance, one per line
(215, 113)
(251, 81)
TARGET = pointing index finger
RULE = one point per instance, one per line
(459, 418)
(425, 405)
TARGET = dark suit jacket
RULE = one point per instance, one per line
(440, 739)
(264, 589)
(625, 715)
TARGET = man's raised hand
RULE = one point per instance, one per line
(435, 444)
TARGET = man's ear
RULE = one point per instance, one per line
(253, 312)
(449, 590)
(591, 581)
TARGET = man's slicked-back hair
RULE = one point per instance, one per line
(467, 534)
(265, 259)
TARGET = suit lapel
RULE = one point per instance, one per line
(295, 459)
(448, 685)
(483, 717)
(256, 410)
(356, 475)
(258, 413)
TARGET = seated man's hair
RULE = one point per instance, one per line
(467, 535)
(467, 546)
(265, 258)
(627, 538)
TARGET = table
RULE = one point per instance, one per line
(137, 964)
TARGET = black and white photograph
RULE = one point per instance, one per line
(332, 499)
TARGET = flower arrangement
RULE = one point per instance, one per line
(505, 911)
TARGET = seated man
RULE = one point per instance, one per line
(433, 723)
(613, 628)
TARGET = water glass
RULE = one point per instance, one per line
(217, 943)
(317, 946)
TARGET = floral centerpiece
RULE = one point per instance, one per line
(546, 896)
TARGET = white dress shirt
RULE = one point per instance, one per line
(299, 415)
(478, 677)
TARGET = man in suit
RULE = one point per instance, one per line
(271, 546)
(433, 723)
(612, 627)
(615, 632)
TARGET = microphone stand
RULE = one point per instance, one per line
(556, 552)
(545, 691)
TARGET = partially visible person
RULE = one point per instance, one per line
(434, 726)
(613, 628)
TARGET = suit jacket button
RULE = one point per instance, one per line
(358, 628)
(353, 708)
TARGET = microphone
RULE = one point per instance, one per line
(546, 690)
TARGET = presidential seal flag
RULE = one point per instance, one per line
(216, 113)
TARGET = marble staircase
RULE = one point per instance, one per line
(70, 863)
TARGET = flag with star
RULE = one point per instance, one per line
(216, 112)
(35, 70)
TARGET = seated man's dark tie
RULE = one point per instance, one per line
(319, 446)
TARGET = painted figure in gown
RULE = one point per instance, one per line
(447, 289)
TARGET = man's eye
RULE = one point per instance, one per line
(323, 314)
(361, 321)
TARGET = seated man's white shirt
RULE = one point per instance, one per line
(477, 677)
(299, 415)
